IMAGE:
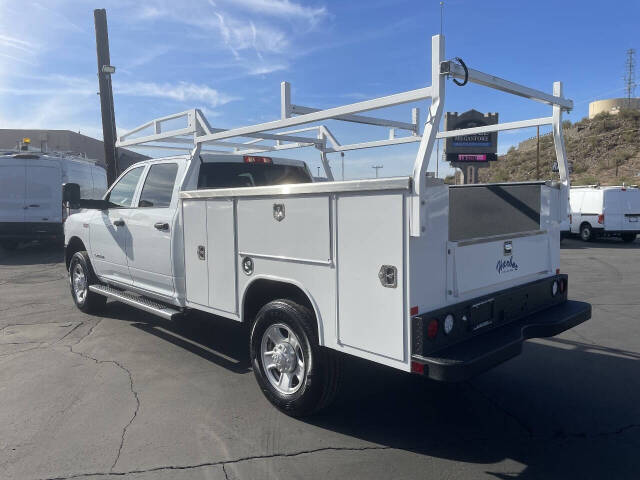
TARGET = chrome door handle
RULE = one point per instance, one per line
(119, 222)
(161, 226)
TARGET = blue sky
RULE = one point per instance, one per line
(228, 58)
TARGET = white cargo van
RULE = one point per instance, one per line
(31, 193)
(605, 212)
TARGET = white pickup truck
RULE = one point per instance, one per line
(442, 281)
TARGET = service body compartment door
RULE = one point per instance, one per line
(370, 234)
(221, 257)
(194, 214)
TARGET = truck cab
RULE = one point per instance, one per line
(136, 242)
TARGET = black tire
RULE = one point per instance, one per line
(628, 237)
(9, 244)
(90, 302)
(322, 366)
(586, 232)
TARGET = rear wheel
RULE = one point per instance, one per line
(296, 375)
(80, 277)
(586, 233)
(628, 237)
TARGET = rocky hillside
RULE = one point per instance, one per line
(594, 147)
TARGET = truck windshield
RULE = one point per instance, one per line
(231, 175)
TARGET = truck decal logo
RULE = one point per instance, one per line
(278, 211)
(505, 266)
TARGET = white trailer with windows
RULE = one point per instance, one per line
(605, 212)
(31, 193)
(409, 272)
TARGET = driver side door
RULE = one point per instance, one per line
(109, 234)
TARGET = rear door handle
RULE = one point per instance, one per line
(34, 206)
(119, 222)
(161, 226)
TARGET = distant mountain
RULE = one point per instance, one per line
(593, 146)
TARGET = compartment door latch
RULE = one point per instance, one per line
(388, 276)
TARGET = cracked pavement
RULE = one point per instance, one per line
(126, 395)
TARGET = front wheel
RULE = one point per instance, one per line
(296, 375)
(80, 277)
(628, 237)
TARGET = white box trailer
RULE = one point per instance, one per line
(31, 192)
(605, 212)
(443, 281)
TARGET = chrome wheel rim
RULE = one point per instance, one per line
(282, 359)
(79, 283)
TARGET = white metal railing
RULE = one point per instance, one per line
(198, 135)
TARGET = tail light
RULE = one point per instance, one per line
(417, 368)
(432, 329)
(570, 218)
(252, 159)
(601, 218)
(563, 285)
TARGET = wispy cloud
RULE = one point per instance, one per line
(282, 8)
(184, 92)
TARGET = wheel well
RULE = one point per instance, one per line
(74, 245)
(262, 291)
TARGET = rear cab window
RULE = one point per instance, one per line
(239, 174)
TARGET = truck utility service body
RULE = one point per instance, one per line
(408, 272)
(605, 212)
(31, 192)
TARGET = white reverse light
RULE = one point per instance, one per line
(448, 324)
(554, 288)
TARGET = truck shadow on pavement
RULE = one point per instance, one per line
(563, 409)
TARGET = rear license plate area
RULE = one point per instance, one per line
(481, 314)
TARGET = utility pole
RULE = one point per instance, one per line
(105, 69)
(318, 172)
(630, 75)
(538, 155)
(376, 168)
(342, 158)
(441, 15)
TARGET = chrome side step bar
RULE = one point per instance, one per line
(142, 303)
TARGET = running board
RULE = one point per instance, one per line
(142, 303)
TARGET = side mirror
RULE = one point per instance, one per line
(71, 195)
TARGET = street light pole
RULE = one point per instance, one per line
(376, 168)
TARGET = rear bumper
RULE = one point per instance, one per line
(30, 230)
(469, 358)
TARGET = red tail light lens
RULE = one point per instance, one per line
(432, 329)
(601, 218)
(417, 368)
(563, 285)
(252, 159)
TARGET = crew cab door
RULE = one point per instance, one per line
(150, 225)
(109, 232)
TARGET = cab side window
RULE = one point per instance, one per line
(158, 186)
(121, 195)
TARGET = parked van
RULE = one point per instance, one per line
(31, 193)
(605, 212)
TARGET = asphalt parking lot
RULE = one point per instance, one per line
(126, 395)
